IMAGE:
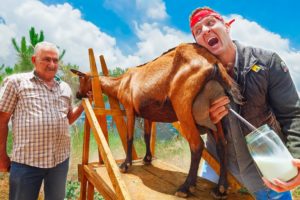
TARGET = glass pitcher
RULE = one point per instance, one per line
(270, 154)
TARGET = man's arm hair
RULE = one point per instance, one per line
(74, 113)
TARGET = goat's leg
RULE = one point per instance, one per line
(147, 136)
(130, 130)
(221, 191)
(196, 144)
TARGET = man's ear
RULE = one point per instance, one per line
(78, 73)
(228, 25)
(227, 28)
(33, 59)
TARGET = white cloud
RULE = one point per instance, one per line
(6, 48)
(138, 10)
(155, 39)
(62, 25)
(154, 9)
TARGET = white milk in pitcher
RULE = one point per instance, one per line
(270, 154)
(272, 168)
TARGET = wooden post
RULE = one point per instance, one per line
(90, 195)
(153, 138)
(97, 95)
(120, 122)
(110, 164)
(85, 158)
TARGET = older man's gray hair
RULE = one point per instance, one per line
(45, 45)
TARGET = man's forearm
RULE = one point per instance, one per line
(75, 113)
(3, 139)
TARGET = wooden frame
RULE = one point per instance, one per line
(105, 175)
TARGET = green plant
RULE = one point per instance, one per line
(5, 71)
(72, 190)
(26, 49)
(9, 143)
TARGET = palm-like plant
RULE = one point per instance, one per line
(5, 71)
(25, 51)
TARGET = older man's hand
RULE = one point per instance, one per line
(281, 186)
(4, 163)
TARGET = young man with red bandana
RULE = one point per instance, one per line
(270, 98)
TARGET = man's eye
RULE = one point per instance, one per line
(210, 23)
(48, 60)
(198, 31)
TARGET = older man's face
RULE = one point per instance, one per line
(212, 34)
(46, 64)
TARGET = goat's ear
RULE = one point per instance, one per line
(78, 73)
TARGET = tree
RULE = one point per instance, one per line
(25, 51)
(34, 37)
(5, 71)
(66, 75)
(117, 72)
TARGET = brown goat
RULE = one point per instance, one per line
(173, 88)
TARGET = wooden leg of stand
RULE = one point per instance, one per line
(90, 195)
(83, 188)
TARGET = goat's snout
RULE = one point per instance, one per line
(79, 95)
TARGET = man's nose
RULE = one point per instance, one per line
(205, 29)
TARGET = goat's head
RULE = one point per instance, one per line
(85, 83)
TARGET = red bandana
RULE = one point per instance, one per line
(201, 13)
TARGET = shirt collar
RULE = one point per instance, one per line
(33, 75)
(244, 58)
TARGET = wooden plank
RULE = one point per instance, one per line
(85, 159)
(112, 112)
(160, 181)
(110, 164)
(97, 94)
(86, 141)
(99, 183)
(153, 138)
(90, 194)
(233, 182)
(119, 120)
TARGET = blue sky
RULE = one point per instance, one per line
(131, 32)
(277, 16)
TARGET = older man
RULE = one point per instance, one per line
(39, 104)
(270, 97)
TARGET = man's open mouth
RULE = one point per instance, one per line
(213, 41)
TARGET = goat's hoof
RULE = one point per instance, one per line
(181, 194)
(222, 189)
(147, 160)
(192, 188)
(183, 191)
(220, 192)
(123, 168)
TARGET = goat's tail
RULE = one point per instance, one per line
(230, 86)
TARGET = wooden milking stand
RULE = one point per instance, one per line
(156, 181)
